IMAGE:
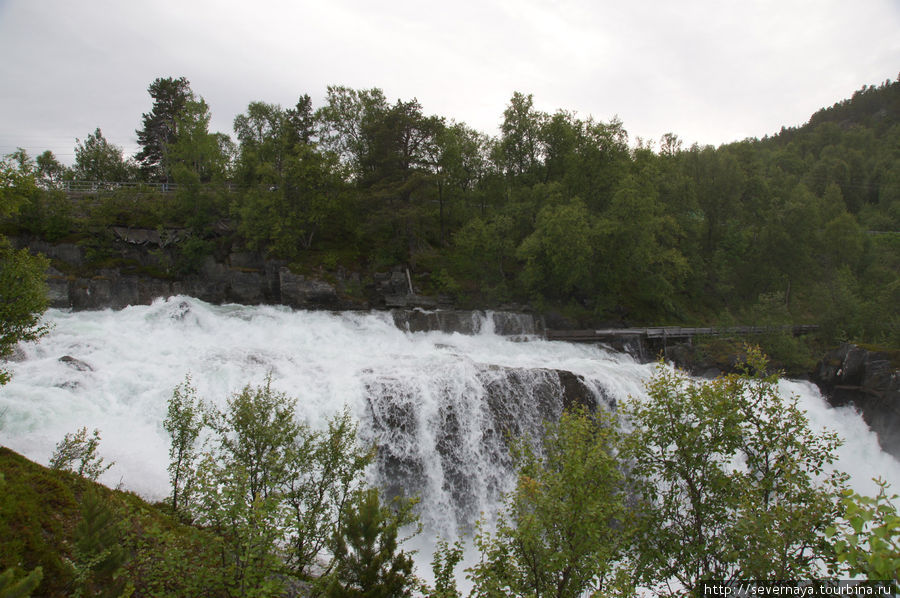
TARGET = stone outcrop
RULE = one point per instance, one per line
(146, 258)
(505, 323)
(867, 380)
(139, 266)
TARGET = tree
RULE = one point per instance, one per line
(596, 163)
(867, 536)
(256, 432)
(23, 299)
(78, 453)
(521, 148)
(636, 242)
(727, 475)
(326, 470)
(183, 423)
(459, 166)
(485, 251)
(196, 153)
(159, 128)
(342, 122)
(50, 172)
(22, 588)
(96, 159)
(99, 556)
(365, 547)
(559, 254)
(249, 524)
(266, 140)
(445, 559)
(285, 215)
(563, 527)
(401, 148)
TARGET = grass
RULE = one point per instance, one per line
(40, 511)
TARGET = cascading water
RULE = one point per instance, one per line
(437, 404)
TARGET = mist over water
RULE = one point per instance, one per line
(436, 404)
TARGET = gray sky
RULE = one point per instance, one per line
(711, 71)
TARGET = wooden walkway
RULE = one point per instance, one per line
(665, 333)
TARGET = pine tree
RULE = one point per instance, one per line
(9, 588)
(367, 561)
(160, 130)
(99, 556)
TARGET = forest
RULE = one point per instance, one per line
(560, 212)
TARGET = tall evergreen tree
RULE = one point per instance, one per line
(160, 126)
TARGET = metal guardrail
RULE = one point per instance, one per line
(671, 332)
(112, 186)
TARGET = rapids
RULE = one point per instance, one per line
(437, 404)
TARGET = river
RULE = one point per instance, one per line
(437, 404)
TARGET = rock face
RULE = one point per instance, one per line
(465, 432)
(239, 277)
(505, 323)
(851, 375)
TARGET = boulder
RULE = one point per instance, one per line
(75, 363)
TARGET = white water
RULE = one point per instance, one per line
(437, 404)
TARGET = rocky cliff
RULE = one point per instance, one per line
(870, 382)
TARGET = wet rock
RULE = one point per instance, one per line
(852, 375)
(76, 364)
(299, 291)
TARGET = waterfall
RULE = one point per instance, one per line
(438, 404)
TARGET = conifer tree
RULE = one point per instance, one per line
(10, 588)
(367, 561)
(99, 556)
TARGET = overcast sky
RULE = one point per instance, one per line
(711, 71)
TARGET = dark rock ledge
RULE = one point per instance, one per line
(867, 380)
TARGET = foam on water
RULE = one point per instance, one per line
(430, 398)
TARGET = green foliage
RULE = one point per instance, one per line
(256, 433)
(248, 523)
(555, 210)
(50, 172)
(11, 588)
(562, 531)
(867, 536)
(485, 252)
(98, 554)
(17, 182)
(286, 210)
(368, 562)
(96, 159)
(325, 470)
(78, 453)
(174, 560)
(38, 508)
(728, 472)
(443, 563)
(159, 128)
(559, 254)
(275, 490)
(183, 422)
(191, 253)
(23, 299)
